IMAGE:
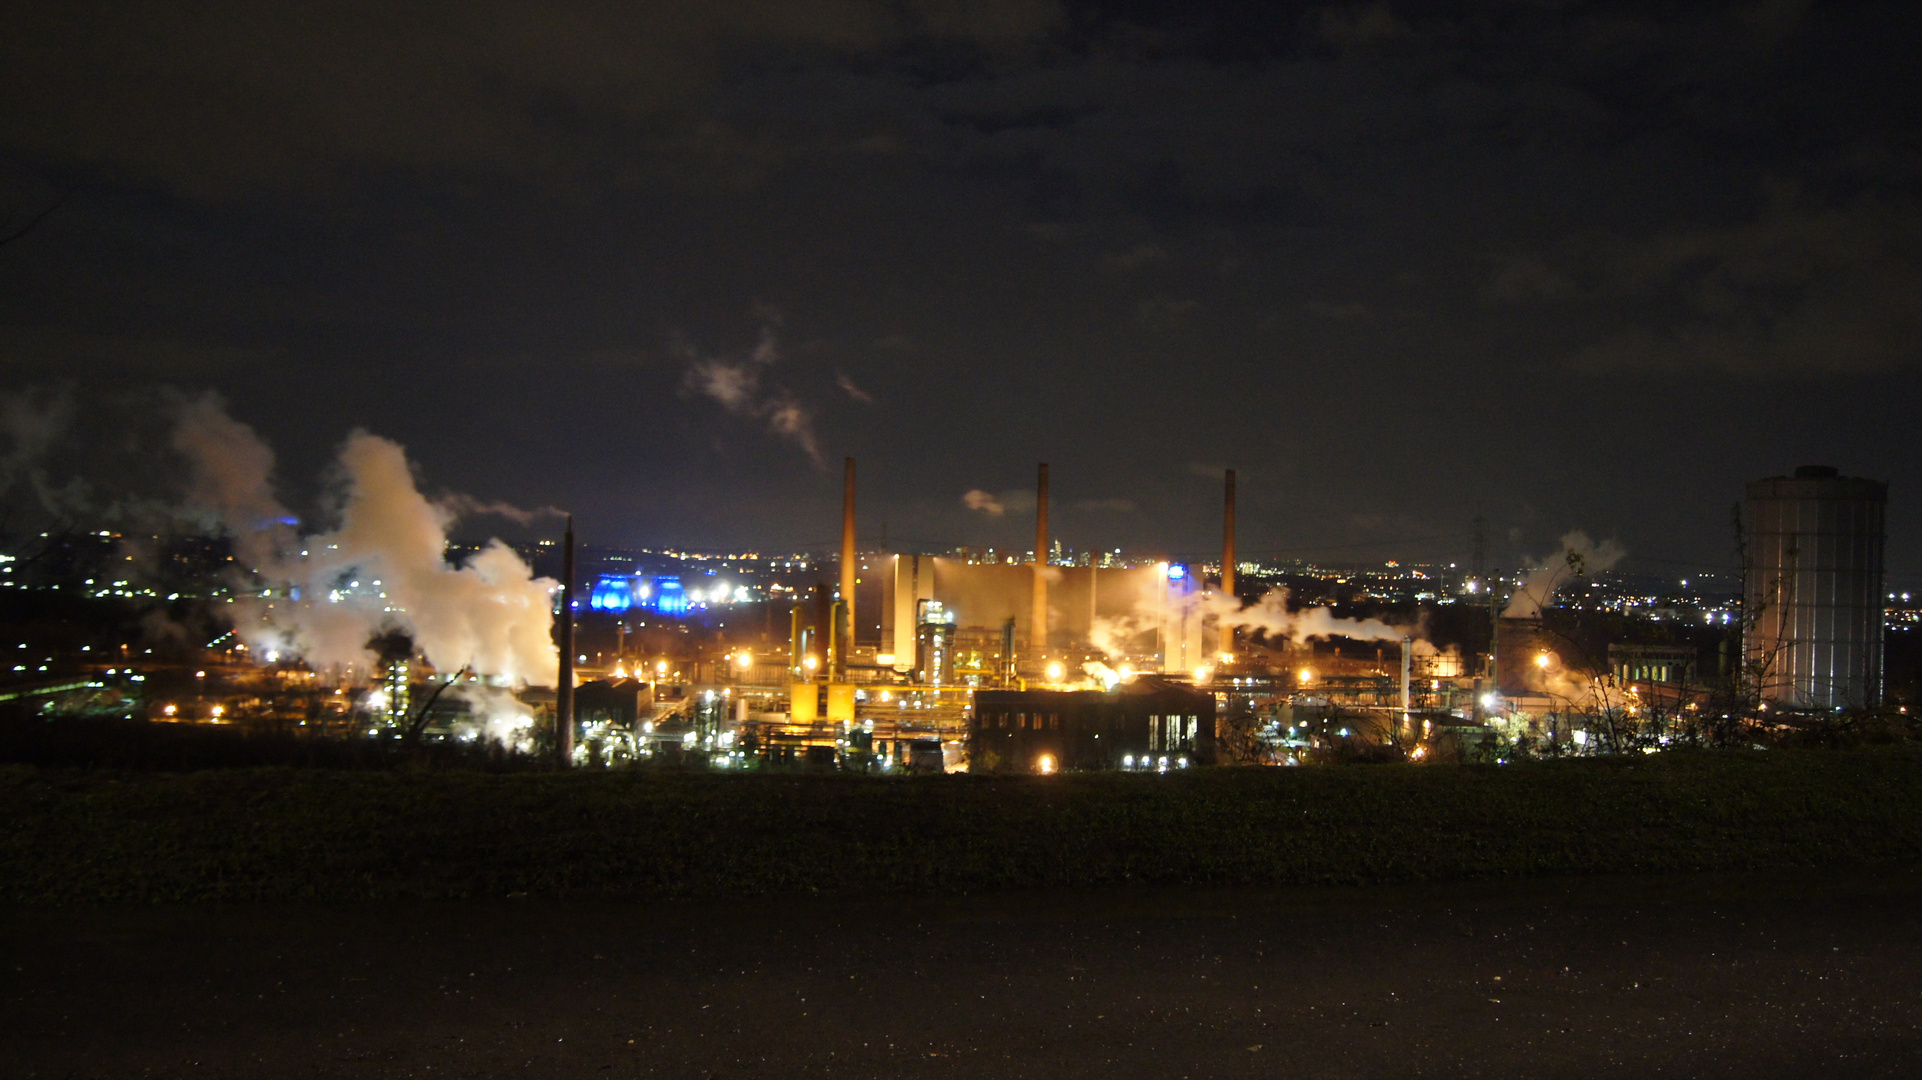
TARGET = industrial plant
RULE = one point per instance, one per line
(1037, 661)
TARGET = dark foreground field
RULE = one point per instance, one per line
(73, 836)
(1741, 976)
(1683, 914)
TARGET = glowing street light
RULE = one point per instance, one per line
(1055, 671)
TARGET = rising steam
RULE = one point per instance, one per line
(735, 383)
(1268, 616)
(383, 568)
(1580, 557)
(985, 502)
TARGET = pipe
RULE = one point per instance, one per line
(1038, 631)
(564, 693)
(848, 565)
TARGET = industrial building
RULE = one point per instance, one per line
(1813, 589)
(1150, 723)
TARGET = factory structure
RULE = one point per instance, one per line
(1813, 589)
(994, 665)
(1040, 661)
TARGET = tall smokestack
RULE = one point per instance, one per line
(1228, 555)
(1039, 634)
(1228, 538)
(564, 693)
(847, 565)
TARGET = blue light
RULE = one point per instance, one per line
(669, 597)
(611, 592)
(1176, 571)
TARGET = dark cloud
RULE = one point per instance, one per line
(218, 98)
(1797, 290)
(1398, 262)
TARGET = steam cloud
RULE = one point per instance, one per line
(489, 614)
(1268, 616)
(1580, 557)
(33, 420)
(853, 391)
(985, 502)
(735, 384)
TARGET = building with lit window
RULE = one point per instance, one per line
(1150, 724)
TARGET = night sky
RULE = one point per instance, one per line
(1563, 265)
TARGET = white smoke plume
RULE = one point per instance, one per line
(841, 380)
(1268, 616)
(736, 385)
(33, 420)
(499, 714)
(384, 567)
(985, 502)
(456, 505)
(1580, 557)
(232, 480)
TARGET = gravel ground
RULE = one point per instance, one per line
(1740, 976)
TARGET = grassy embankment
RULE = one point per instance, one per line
(70, 836)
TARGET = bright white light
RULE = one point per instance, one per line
(1127, 760)
(1055, 671)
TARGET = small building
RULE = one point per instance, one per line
(1149, 723)
(1652, 663)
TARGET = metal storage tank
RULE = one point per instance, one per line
(1814, 588)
